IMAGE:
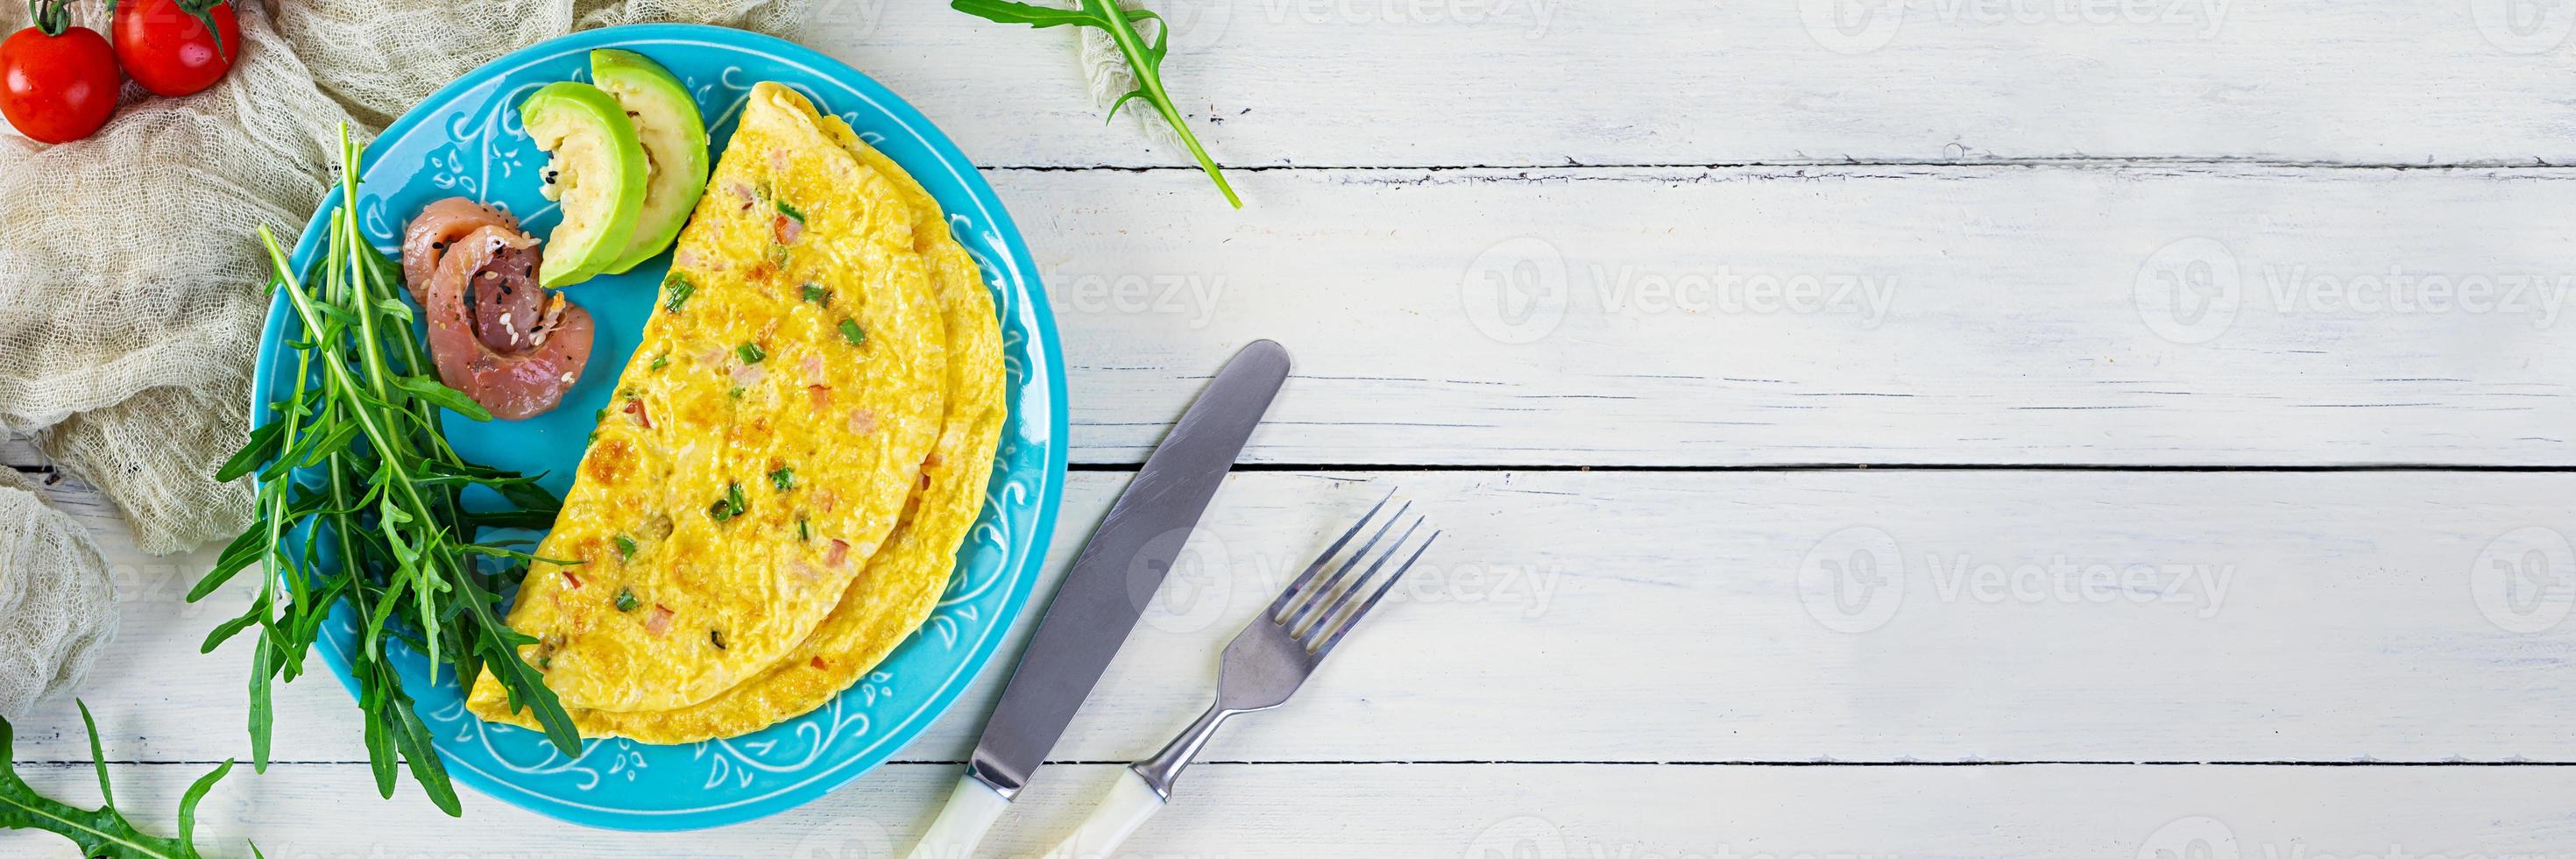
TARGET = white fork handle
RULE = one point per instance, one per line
(1125, 808)
(971, 810)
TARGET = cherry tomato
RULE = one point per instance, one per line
(168, 47)
(57, 82)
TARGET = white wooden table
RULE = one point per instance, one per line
(1828, 465)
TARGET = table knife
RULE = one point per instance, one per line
(1104, 594)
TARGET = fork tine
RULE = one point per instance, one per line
(1362, 612)
(1325, 591)
(1343, 598)
(1327, 557)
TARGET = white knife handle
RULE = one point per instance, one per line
(1126, 807)
(971, 810)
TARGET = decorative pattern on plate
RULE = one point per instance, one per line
(466, 141)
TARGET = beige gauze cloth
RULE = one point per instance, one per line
(129, 277)
(130, 298)
(57, 604)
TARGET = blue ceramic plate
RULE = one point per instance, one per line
(466, 141)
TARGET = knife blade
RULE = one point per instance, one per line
(1105, 592)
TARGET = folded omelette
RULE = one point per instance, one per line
(803, 441)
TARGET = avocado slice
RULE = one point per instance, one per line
(675, 146)
(597, 176)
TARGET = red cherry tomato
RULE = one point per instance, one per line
(166, 46)
(57, 82)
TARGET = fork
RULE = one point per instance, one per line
(1263, 667)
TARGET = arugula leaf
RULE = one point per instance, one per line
(438, 394)
(1144, 61)
(251, 454)
(102, 833)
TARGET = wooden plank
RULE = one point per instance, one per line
(1549, 82)
(18, 451)
(1639, 617)
(1941, 315)
(1473, 812)
(1945, 315)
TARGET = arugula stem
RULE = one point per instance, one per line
(338, 377)
(389, 447)
(1144, 61)
(1149, 80)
